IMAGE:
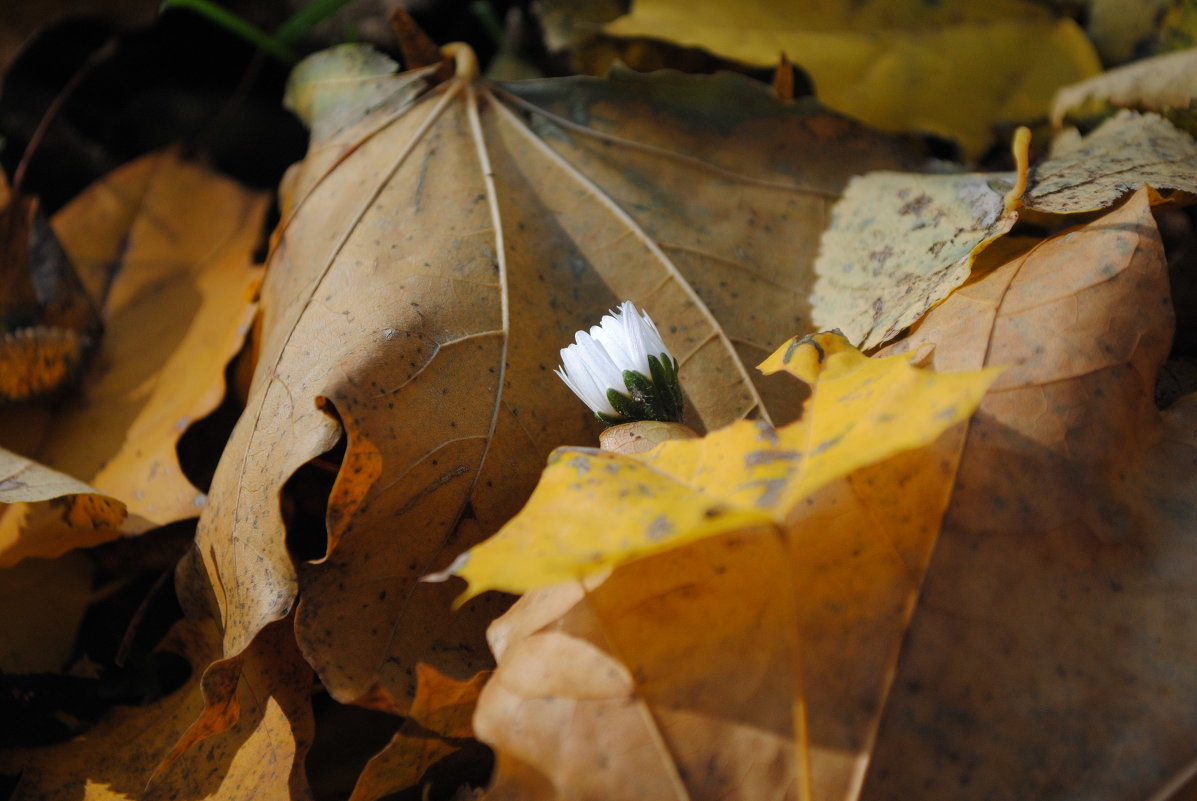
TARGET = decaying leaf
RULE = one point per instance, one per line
(884, 62)
(1124, 153)
(48, 322)
(259, 757)
(179, 241)
(1050, 655)
(746, 659)
(335, 88)
(431, 262)
(899, 243)
(1159, 84)
(438, 722)
(70, 513)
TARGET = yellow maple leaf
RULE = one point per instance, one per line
(951, 68)
(594, 510)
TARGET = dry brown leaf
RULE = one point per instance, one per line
(1153, 84)
(180, 240)
(430, 265)
(71, 513)
(1051, 655)
(747, 666)
(440, 714)
(260, 757)
(48, 322)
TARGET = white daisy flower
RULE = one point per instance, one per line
(622, 369)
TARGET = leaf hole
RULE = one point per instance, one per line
(305, 497)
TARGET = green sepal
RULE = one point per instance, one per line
(644, 395)
(658, 398)
(663, 387)
(625, 406)
(675, 387)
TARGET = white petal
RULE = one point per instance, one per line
(578, 377)
(652, 337)
(587, 396)
(611, 336)
(592, 372)
(600, 364)
(594, 364)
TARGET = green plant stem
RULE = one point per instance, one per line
(307, 18)
(235, 24)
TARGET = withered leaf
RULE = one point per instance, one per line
(1120, 156)
(168, 244)
(749, 664)
(898, 243)
(67, 512)
(260, 756)
(1053, 642)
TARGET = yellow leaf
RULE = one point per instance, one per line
(685, 672)
(594, 510)
(952, 68)
(1119, 28)
(180, 240)
(66, 513)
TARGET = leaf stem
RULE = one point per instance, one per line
(237, 25)
(307, 18)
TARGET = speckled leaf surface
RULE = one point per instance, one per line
(1115, 160)
(898, 243)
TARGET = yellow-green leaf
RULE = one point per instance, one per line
(950, 68)
(594, 510)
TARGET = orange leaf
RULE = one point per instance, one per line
(180, 240)
(1054, 641)
(259, 757)
(440, 719)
